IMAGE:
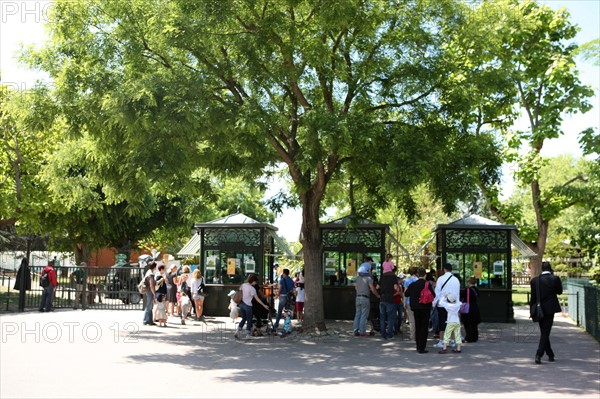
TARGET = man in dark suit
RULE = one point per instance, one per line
(550, 287)
(420, 310)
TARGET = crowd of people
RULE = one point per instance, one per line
(426, 303)
(170, 294)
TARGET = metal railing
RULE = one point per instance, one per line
(101, 288)
(583, 305)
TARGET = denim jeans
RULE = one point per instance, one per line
(399, 316)
(148, 319)
(47, 295)
(387, 311)
(361, 315)
(282, 303)
(246, 314)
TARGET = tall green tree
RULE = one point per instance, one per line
(534, 54)
(571, 201)
(332, 90)
(28, 134)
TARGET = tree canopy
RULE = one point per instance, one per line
(532, 53)
(335, 91)
(367, 100)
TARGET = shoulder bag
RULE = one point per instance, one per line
(535, 310)
(465, 307)
(238, 296)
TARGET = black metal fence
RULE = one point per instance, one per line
(583, 305)
(87, 288)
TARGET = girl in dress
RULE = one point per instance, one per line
(161, 310)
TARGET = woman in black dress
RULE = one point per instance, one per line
(171, 290)
(473, 318)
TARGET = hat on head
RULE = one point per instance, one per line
(231, 293)
(451, 298)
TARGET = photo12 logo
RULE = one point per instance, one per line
(53, 332)
(24, 11)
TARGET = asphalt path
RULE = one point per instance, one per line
(111, 354)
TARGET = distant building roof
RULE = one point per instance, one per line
(479, 222)
(476, 221)
(235, 220)
(353, 221)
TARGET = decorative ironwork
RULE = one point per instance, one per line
(370, 238)
(481, 239)
(268, 245)
(247, 237)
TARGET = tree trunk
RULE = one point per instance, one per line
(542, 225)
(81, 253)
(314, 315)
(539, 248)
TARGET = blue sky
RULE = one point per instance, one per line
(22, 22)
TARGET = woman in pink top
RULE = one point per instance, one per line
(245, 310)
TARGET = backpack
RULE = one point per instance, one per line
(143, 286)
(44, 280)
(426, 296)
(183, 287)
(200, 290)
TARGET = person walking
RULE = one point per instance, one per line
(387, 308)
(548, 286)
(364, 285)
(445, 284)
(249, 293)
(150, 294)
(420, 310)
(286, 288)
(49, 283)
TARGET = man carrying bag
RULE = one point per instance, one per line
(545, 289)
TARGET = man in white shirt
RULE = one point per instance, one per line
(446, 284)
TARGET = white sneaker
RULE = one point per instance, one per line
(440, 344)
(452, 343)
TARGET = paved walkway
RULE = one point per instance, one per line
(110, 354)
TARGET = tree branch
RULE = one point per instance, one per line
(566, 184)
(404, 103)
(527, 105)
(573, 180)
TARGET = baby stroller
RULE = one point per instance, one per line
(374, 316)
(261, 318)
